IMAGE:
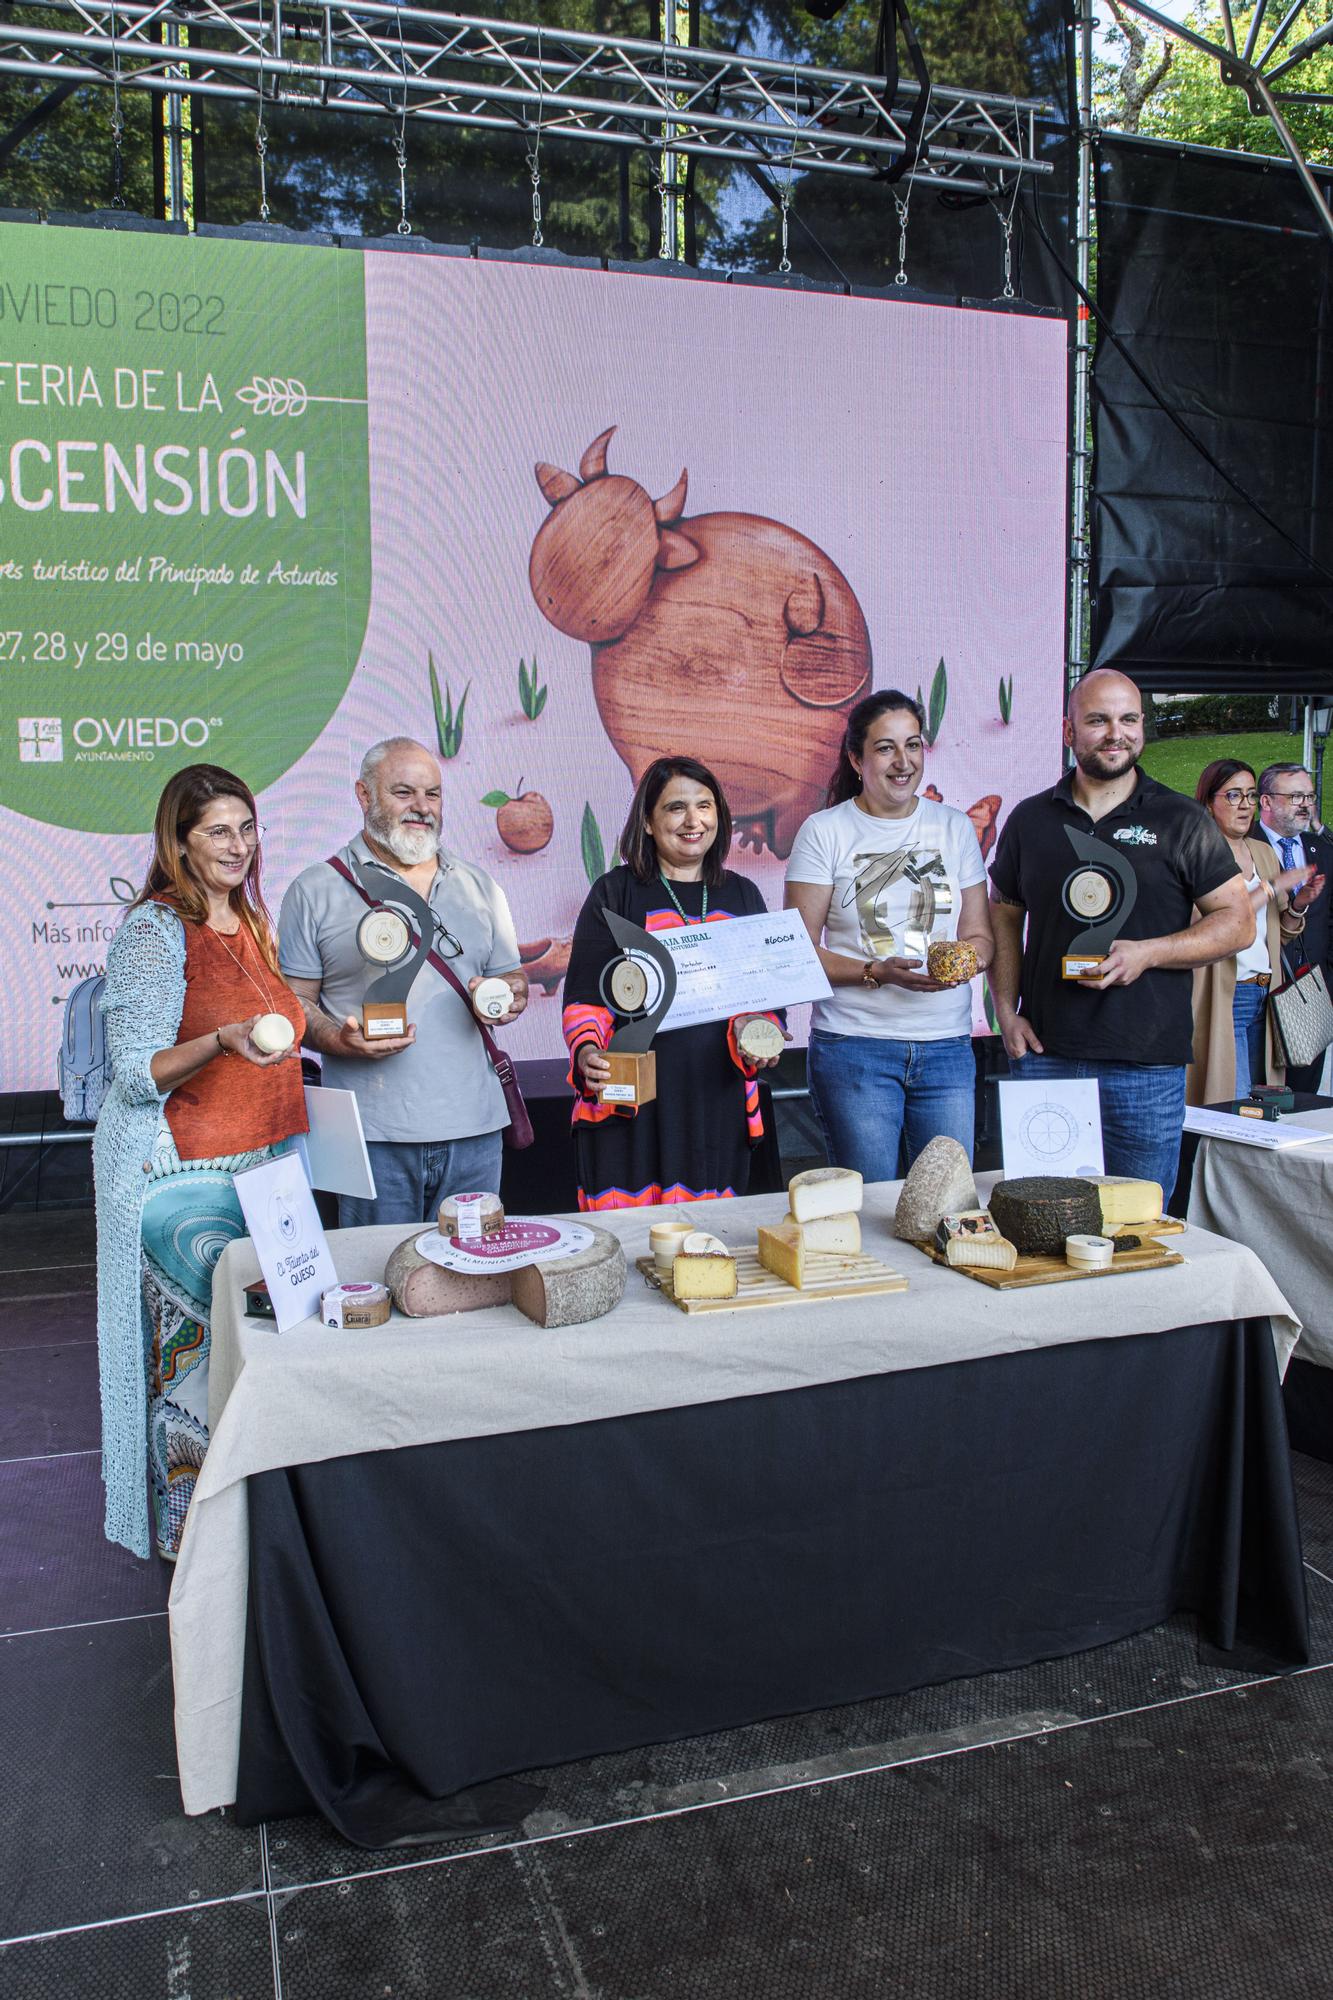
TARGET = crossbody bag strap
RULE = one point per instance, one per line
(500, 1062)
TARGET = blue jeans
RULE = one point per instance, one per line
(1248, 1019)
(867, 1092)
(1143, 1111)
(411, 1180)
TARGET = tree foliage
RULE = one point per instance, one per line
(1190, 102)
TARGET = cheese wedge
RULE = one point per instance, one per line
(824, 1191)
(973, 1222)
(703, 1268)
(980, 1253)
(782, 1251)
(1125, 1202)
(840, 1234)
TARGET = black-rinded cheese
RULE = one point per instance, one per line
(1037, 1214)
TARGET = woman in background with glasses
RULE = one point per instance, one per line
(1234, 1047)
(192, 1100)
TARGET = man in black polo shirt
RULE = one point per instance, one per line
(1129, 1024)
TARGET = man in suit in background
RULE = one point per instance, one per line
(1286, 815)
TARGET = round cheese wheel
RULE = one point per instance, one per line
(759, 1039)
(568, 1290)
(493, 999)
(468, 1216)
(272, 1034)
(1092, 1252)
(354, 1306)
(422, 1289)
(952, 961)
(664, 1239)
(1038, 1212)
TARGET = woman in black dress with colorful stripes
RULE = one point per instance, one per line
(693, 1141)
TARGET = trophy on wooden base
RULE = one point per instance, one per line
(638, 987)
(385, 937)
(1103, 887)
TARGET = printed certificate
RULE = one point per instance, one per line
(748, 965)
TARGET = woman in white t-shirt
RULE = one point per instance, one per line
(877, 876)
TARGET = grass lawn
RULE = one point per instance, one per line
(1178, 760)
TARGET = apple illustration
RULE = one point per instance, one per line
(523, 820)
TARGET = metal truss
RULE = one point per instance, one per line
(1255, 70)
(406, 63)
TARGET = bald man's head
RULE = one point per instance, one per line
(1104, 724)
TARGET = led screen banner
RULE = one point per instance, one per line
(264, 504)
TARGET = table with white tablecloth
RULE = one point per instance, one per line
(1280, 1203)
(648, 1379)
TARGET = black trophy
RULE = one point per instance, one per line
(385, 937)
(637, 987)
(1100, 892)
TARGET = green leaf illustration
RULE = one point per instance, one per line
(448, 721)
(530, 691)
(1006, 698)
(590, 839)
(939, 696)
(495, 798)
(436, 701)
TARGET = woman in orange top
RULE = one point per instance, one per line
(192, 1101)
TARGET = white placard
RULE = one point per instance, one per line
(748, 965)
(525, 1239)
(1273, 1134)
(1051, 1126)
(334, 1149)
(288, 1236)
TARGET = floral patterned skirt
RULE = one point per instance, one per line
(190, 1215)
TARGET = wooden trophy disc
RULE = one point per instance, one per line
(381, 1019)
(633, 1078)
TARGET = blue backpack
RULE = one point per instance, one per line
(84, 1068)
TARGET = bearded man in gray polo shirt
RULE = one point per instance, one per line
(431, 1106)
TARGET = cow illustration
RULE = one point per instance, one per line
(725, 637)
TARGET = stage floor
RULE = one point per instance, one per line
(1133, 1821)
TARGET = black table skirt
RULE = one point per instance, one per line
(1308, 1395)
(425, 1620)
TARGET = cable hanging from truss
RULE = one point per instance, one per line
(534, 153)
(117, 120)
(785, 194)
(400, 138)
(261, 129)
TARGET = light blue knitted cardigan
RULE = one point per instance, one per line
(143, 1002)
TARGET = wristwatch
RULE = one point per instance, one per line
(868, 973)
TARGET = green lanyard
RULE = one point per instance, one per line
(676, 900)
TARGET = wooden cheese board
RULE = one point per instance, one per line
(1165, 1225)
(830, 1277)
(1031, 1270)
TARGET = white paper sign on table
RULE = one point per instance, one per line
(748, 965)
(1275, 1135)
(288, 1236)
(1051, 1126)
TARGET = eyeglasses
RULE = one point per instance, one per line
(219, 837)
(1294, 798)
(447, 944)
(1234, 798)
